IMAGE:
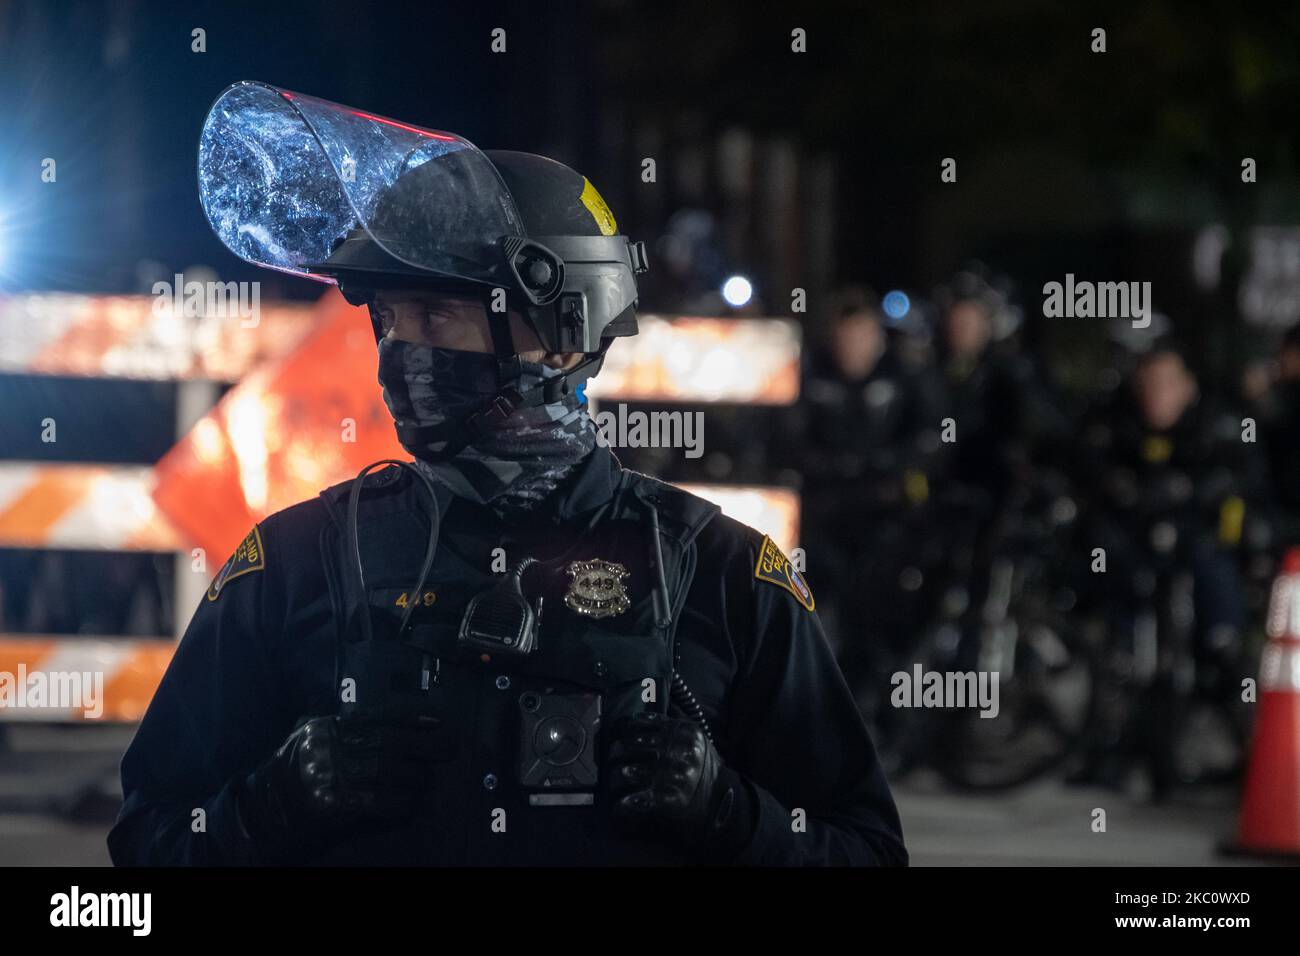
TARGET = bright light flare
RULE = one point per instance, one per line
(737, 290)
(896, 304)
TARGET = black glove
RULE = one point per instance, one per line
(666, 776)
(333, 775)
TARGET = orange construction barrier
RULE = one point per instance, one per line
(287, 430)
(141, 337)
(51, 678)
(1270, 805)
(81, 507)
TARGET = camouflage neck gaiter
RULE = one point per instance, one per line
(516, 465)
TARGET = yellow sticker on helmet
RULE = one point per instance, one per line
(599, 211)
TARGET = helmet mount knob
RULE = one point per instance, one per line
(538, 273)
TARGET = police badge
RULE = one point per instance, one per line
(596, 588)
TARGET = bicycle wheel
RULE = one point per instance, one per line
(1044, 704)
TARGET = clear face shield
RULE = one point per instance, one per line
(306, 186)
(315, 188)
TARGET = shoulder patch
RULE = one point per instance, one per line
(248, 557)
(775, 568)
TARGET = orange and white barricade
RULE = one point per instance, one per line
(305, 413)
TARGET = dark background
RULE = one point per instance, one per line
(1099, 164)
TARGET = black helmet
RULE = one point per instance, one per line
(571, 276)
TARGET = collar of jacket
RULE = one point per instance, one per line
(593, 483)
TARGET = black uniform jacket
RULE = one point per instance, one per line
(261, 654)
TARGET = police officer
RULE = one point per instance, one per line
(512, 651)
(1163, 454)
(1006, 412)
(1175, 495)
(870, 429)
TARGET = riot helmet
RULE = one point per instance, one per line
(307, 186)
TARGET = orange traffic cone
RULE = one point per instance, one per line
(1270, 803)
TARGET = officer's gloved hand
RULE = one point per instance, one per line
(665, 776)
(333, 774)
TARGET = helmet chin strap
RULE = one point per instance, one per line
(507, 400)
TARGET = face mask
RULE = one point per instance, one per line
(517, 462)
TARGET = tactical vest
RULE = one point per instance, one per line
(518, 734)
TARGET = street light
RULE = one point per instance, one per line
(737, 290)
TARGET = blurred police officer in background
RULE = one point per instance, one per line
(1164, 451)
(869, 424)
(1174, 496)
(1004, 408)
(513, 651)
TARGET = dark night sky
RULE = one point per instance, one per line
(1070, 161)
(114, 93)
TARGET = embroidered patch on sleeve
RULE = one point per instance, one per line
(775, 568)
(248, 557)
